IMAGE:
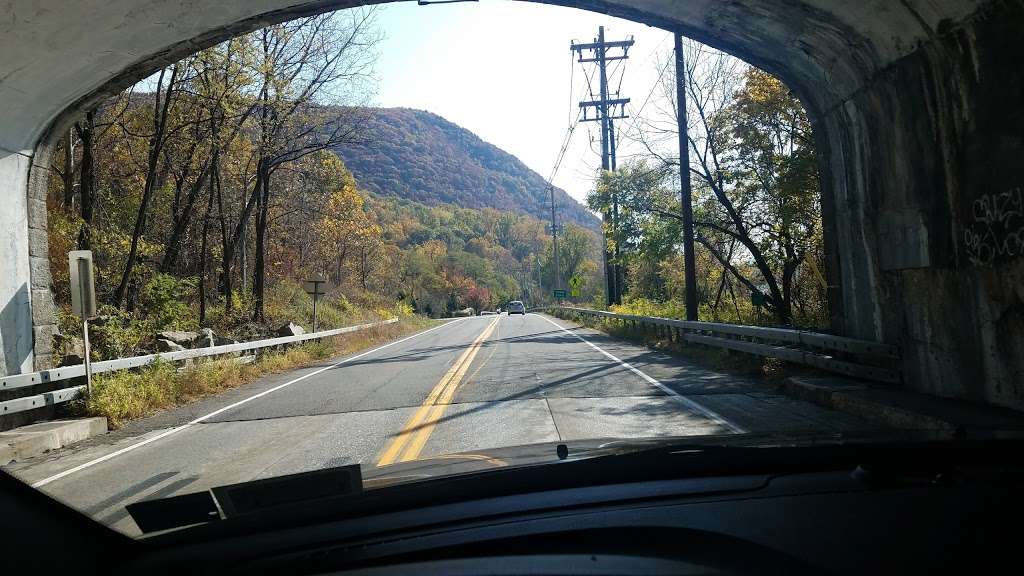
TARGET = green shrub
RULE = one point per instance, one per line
(164, 303)
(117, 334)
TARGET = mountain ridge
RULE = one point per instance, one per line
(421, 156)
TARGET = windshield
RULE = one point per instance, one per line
(403, 236)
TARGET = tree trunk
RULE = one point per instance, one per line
(87, 177)
(69, 170)
(205, 252)
(259, 267)
(225, 274)
(237, 237)
(156, 143)
(181, 222)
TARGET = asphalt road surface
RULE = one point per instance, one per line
(468, 384)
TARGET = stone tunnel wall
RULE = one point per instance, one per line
(936, 144)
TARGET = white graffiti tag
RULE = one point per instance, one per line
(997, 232)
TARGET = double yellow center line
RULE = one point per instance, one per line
(408, 444)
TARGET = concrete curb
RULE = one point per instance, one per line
(32, 440)
(842, 395)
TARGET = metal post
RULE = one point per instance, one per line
(313, 289)
(87, 359)
(316, 296)
(685, 192)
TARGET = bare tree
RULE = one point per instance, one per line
(310, 67)
(738, 155)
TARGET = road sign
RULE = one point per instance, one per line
(575, 292)
(558, 293)
(83, 301)
(575, 282)
(313, 289)
(757, 298)
(83, 289)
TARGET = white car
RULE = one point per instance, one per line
(516, 307)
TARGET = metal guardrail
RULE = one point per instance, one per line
(78, 370)
(859, 358)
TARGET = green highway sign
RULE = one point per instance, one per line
(558, 293)
(757, 299)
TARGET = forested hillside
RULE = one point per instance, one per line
(421, 156)
(209, 192)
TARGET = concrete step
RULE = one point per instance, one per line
(900, 408)
(34, 439)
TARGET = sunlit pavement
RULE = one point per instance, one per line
(471, 384)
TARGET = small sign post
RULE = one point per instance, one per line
(83, 301)
(758, 301)
(313, 289)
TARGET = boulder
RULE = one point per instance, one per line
(291, 329)
(165, 345)
(101, 320)
(181, 338)
(463, 312)
(73, 349)
(206, 338)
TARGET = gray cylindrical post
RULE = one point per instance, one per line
(87, 359)
(316, 294)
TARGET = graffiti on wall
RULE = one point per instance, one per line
(997, 230)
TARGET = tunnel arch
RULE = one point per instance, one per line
(891, 89)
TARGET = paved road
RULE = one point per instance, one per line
(470, 384)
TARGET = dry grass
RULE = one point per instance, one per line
(125, 395)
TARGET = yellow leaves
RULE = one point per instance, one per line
(762, 87)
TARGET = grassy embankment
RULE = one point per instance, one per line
(128, 394)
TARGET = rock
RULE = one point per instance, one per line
(165, 345)
(463, 312)
(206, 338)
(186, 339)
(291, 329)
(72, 349)
(101, 320)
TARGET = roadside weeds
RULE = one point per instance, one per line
(129, 394)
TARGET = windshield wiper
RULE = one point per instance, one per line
(245, 498)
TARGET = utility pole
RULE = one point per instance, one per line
(540, 285)
(556, 283)
(685, 190)
(606, 110)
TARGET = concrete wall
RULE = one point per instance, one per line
(937, 143)
(916, 106)
(15, 282)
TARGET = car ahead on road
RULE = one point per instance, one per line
(516, 307)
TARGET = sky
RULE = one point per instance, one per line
(503, 70)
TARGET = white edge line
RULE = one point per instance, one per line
(711, 414)
(191, 423)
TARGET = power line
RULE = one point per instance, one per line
(635, 117)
